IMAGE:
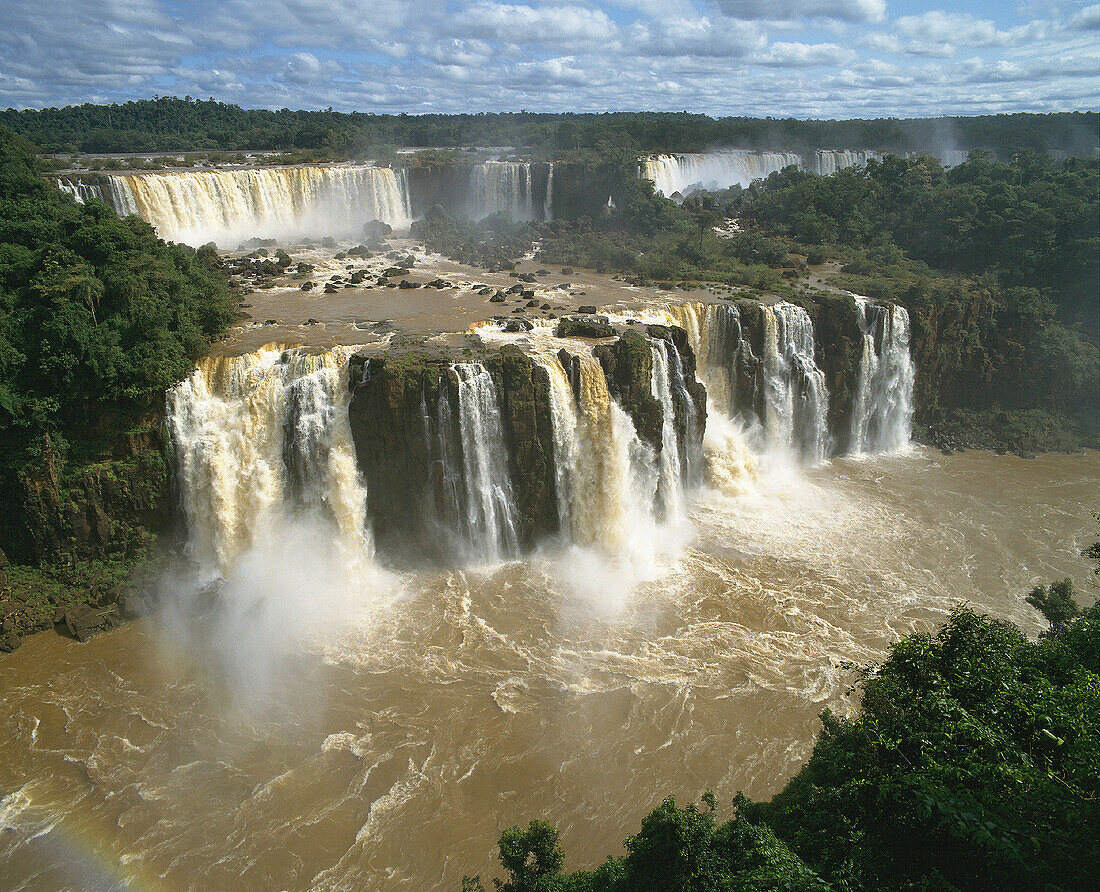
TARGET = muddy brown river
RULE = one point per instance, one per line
(384, 740)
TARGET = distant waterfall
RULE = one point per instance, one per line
(261, 435)
(713, 171)
(490, 513)
(828, 161)
(80, 191)
(548, 201)
(502, 187)
(882, 411)
(229, 206)
(796, 400)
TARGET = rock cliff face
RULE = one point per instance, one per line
(838, 352)
(424, 453)
(406, 421)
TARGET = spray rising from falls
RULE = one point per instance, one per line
(229, 206)
(882, 412)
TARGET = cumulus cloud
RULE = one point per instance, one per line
(831, 58)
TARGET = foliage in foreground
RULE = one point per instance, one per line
(970, 766)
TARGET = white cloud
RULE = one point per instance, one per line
(1088, 19)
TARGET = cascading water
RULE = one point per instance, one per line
(829, 161)
(257, 437)
(80, 191)
(607, 478)
(882, 411)
(796, 401)
(228, 206)
(670, 489)
(489, 520)
(548, 201)
(713, 170)
(502, 187)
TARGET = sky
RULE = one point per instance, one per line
(797, 58)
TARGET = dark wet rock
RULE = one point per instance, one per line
(515, 289)
(567, 270)
(405, 283)
(545, 307)
(497, 298)
(587, 309)
(306, 286)
(532, 303)
(83, 622)
(628, 367)
(376, 229)
(330, 288)
(312, 322)
(515, 325)
(271, 322)
(485, 291)
(542, 272)
(527, 294)
(404, 411)
(328, 242)
(584, 327)
(393, 271)
(529, 278)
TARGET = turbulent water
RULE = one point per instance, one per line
(796, 400)
(229, 206)
(392, 751)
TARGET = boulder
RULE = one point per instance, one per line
(586, 309)
(83, 622)
(584, 327)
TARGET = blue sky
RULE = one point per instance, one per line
(802, 58)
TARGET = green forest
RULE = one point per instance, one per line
(171, 124)
(970, 765)
(98, 317)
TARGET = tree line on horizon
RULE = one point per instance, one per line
(172, 124)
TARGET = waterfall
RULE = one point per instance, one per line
(502, 187)
(607, 478)
(796, 400)
(548, 201)
(882, 411)
(489, 519)
(713, 171)
(257, 437)
(80, 191)
(829, 161)
(229, 206)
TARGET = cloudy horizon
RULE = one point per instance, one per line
(782, 58)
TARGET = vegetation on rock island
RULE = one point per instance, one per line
(970, 765)
(98, 317)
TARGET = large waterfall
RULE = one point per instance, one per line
(796, 400)
(79, 190)
(489, 520)
(229, 206)
(510, 188)
(784, 391)
(713, 170)
(882, 410)
(829, 161)
(261, 436)
(597, 456)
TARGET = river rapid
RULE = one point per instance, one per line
(379, 730)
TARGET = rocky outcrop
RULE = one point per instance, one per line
(404, 417)
(838, 352)
(628, 367)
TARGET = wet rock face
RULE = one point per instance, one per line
(404, 416)
(838, 352)
(628, 367)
